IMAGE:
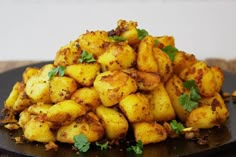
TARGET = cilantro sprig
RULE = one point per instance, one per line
(116, 38)
(102, 146)
(176, 126)
(60, 70)
(190, 101)
(86, 57)
(142, 33)
(170, 51)
(81, 143)
(138, 148)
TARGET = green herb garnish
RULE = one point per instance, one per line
(116, 38)
(170, 51)
(81, 143)
(102, 146)
(86, 57)
(156, 42)
(142, 33)
(60, 70)
(187, 103)
(138, 148)
(176, 126)
(194, 93)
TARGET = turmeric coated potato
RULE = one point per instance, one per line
(115, 124)
(39, 108)
(28, 73)
(167, 40)
(136, 108)
(89, 125)
(113, 86)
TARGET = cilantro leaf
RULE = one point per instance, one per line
(194, 94)
(81, 143)
(189, 84)
(116, 38)
(102, 146)
(187, 103)
(138, 148)
(156, 42)
(86, 57)
(170, 51)
(60, 70)
(176, 126)
(142, 33)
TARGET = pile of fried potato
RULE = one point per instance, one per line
(106, 82)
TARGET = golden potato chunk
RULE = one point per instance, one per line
(94, 42)
(84, 73)
(39, 108)
(136, 108)
(88, 97)
(21, 102)
(61, 88)
(167, 40)
(116, 126)
(68, 54)
(88, 125)
(162, 108)
(65, 112)
(113, 86)
(117, 56)
(149, 132)
(36, 129)
(28, 73)
(24, 117)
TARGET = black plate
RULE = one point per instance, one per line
(219, 138)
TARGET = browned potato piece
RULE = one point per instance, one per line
(88, 125)
(149, 132)
(28, 73)
(21, 102)
(182, 61)
(36, 129)
(145, 58)
(61, 88)
(164, 64)
(84, 73)
(68, 54)
(219, 77)
(24, 117)
(37, 87)
(203, 77)
(128, 30)
(167, 40)
(87, 97)
(113, 86)
(212, 112)
(116, 126)
(65, 112)
(162, 107)
(174, 88)
(117, 56)
(136, 108)
(39, 108)
(94, 42)
(15, 92)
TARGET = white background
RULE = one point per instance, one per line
(36, 29)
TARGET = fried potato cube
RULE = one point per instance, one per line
(113, 86)
(174, 88)
(89, 125)
(39, 108)
(212, 112)
(117, 56)
(61, 88)
(182, 61)
(203, 77)
(162, 108)
(164, 64)
(84, 73)
(36, 129)
(145, 58)
(116, 126)
(68, 54)
(24, 117)
(136, 108)
(167, 40)
(37, 87)
(65, 112)
(94, 42)
(128, 30)
(21, 102)
(29, 72)
(149, 132)
(14, 94)
(88, 97)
